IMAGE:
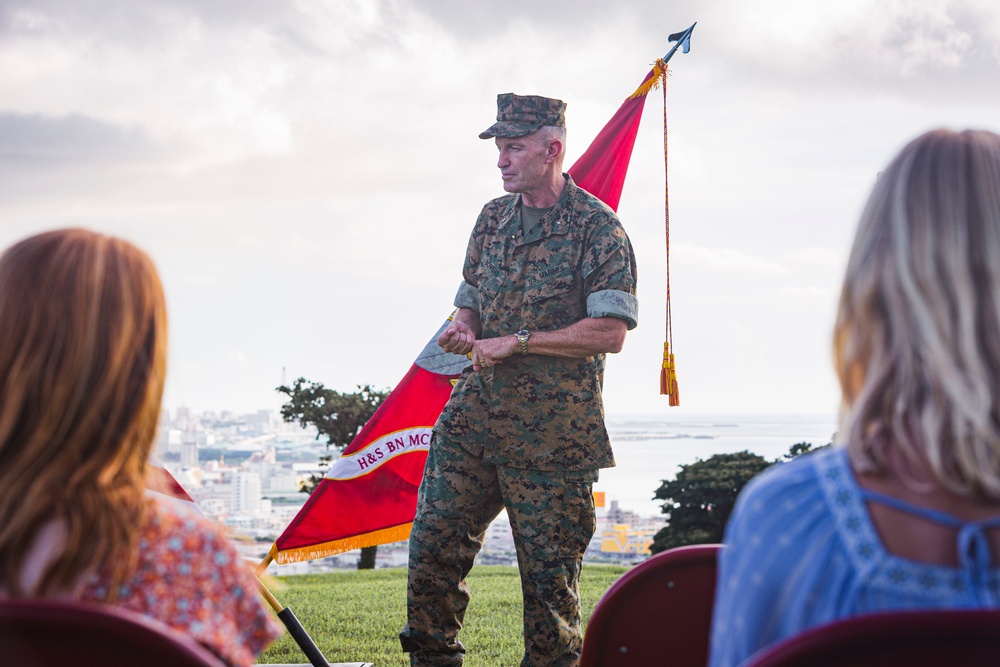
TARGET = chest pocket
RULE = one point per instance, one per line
(546, 287)
(490, 274)
(553, 302)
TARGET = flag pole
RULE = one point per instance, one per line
(668, 369)
(287, 616)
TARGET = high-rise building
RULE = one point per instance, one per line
(182, 415)
(189, 450)
(246, 494)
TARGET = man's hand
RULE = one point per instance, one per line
(460, 338)
(457, 338)
(585, 338)
(491, 351)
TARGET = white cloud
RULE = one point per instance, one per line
(807, 291)
(202, 280)
(819, 256)
(725, 259)
(859, 42)
(237, 356)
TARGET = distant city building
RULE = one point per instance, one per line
(283, 481)
(499, 537)
(622, 535)
(250, 483)
(168, 442)
(617, 515)
(246, 496)
(182, 415)
(189, 450)
(625, 539)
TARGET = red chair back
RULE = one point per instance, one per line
(41, 633)
(970, 638)
(657, 613)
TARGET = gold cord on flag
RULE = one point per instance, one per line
(668, 371)
(652, 81)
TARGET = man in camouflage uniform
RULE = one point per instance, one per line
(549, 289)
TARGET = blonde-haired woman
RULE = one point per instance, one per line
(83, 350)
(906, 513)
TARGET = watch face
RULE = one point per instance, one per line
(523, 333)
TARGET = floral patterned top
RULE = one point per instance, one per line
(801, 550)
(190, 578)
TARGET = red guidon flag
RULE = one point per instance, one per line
(161, 482)
(369, 494)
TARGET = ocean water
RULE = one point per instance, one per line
(651, 448)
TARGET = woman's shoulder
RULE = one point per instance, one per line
(786, 504)
(170, 517)
(178, 541)
(814, 499)
(190, 576)
(798, 480)
(170, 512)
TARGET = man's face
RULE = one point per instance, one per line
(522, 162)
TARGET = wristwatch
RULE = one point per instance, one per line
(522, 338)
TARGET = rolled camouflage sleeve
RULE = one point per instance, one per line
(612, 303)
(609, 274)
(467, 297)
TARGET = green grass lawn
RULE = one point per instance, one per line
(355, 615)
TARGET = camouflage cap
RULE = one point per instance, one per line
(518, 115)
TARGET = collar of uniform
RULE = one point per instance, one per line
(552, 223)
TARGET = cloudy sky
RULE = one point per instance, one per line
(306, 173)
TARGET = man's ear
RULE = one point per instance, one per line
(553, 150)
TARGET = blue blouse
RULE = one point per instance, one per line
(801, 551)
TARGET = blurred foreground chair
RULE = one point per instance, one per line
(42, 633)
(657, 613)
(970, 638)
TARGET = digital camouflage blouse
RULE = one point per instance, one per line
(535, 411)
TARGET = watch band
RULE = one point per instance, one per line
(522, 339)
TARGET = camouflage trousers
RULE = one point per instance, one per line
(552, 519)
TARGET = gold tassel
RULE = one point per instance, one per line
(675, 392)
(659, 72)
(665, 371)
(668, 377)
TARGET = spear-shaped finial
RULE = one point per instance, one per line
(658, 74)
(683, 39)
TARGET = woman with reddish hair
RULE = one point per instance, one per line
(83, 349)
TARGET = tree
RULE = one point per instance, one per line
(701, 498)
(802, 448)
(337, 416)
